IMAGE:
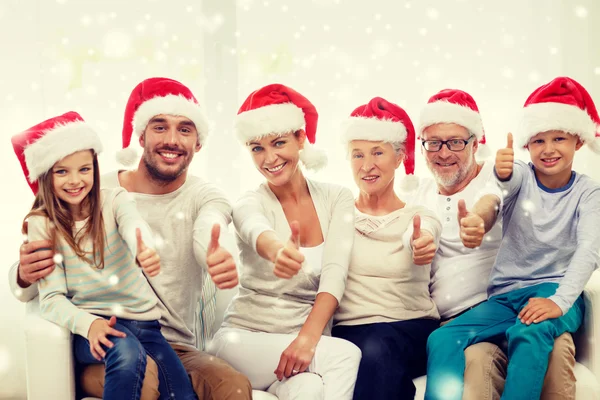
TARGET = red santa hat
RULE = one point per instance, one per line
(380, 120)
(453, 106)
(156, 96)
(562, 105)
(41, 146)
(276, 110)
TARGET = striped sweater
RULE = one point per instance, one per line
(76, 293)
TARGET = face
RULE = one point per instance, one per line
(276, 156)
(169, 144)
(73, 178)
(450, 168)
(373, 164)
(552, 152)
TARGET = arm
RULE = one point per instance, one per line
(54, 304)
(214, 209)
(254, 228)
(487, 209)
(336, 259)
(586, 257)
(129, 219)
(21, 290)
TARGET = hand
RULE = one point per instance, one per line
(148, 259)
(296, 357)
(505, 159)
(221, 265)
(539, 309)
(289, 259)
(99, 329)
(472, 227)
(423, 247)
(35, 263)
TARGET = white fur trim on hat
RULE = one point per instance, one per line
(373, 129)
(444, 112)
(275, 119)
(543, 117)
(313, 157)
(58, 143)
(170, 105)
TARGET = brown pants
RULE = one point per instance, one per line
(485, 371)
(212, 378)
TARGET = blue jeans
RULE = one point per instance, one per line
(393, 354)
(125, 362)
(529, 347)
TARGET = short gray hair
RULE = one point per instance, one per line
(398, 147)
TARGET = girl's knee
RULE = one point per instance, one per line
(127, 353)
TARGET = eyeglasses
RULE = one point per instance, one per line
(452, 144)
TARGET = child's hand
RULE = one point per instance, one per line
(538, 310)
(423, 246)
(97, 336)
(221, 265)
(289, 259)
(472, 227)
(148, 259)
(505, 159)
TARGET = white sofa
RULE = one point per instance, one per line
(50, 364)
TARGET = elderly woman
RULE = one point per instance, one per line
(387, 310)
(295, 238)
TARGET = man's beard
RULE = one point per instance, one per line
(447, 180)
(160, 176)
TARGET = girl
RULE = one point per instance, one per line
(95, 289)
(289, 289)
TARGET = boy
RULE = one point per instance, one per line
(549, 249)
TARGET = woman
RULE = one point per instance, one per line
(295, 238)
(387, 310)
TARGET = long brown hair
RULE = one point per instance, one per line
(48, 204)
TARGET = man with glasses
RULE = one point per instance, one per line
(451, 132)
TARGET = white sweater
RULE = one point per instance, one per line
(384, 285)
(266, 303)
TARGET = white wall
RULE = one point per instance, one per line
(87, 55)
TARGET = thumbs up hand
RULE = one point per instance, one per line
(289, 259)
(505, 159)
(423, 246)
(146, 257)
(220, 263)
(472, 227)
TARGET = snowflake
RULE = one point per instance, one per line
(528, 205)
(423, 31)
(113, 280)
(58, 258)
(117, 309)
(18, 292)
(433, 13)
(581, 11)
(86, 20)
(407, 5)
(553, 50)
(233, 337)
(449, 388)
(508, 73)
(597, 70)
(534, 76)
(61, 1)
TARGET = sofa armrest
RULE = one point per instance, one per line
(587, 338)
(49, 361)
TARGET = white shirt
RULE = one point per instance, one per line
(459, 275)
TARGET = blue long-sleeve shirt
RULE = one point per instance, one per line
(549, 235)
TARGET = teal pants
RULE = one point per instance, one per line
(529, 347)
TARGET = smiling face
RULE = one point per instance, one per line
(73, 179)
(373, 165)
(277, 156)
(450, 168)
(552, 154)
(169, 144)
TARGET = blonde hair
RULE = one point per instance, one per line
(48, 204)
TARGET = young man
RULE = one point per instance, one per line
(186, 215)
(548, 251)
(467, 200)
